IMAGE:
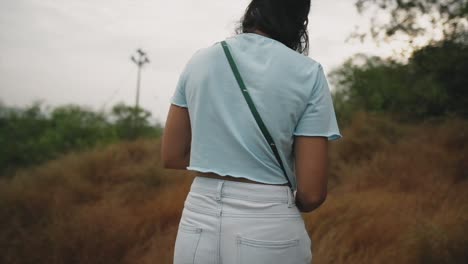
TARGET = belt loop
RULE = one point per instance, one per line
(219, 190)
(290, 200)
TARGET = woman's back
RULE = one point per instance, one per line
(214, 133)
(290, 91)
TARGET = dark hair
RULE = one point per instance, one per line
(283, 20)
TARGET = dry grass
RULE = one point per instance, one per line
(398, 194)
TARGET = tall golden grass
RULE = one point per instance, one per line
(398, 194)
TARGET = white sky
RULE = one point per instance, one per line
(64, 51)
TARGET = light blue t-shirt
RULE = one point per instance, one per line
(290, 92)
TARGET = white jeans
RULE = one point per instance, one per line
(240, 223)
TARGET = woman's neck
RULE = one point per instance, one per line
(257, 31)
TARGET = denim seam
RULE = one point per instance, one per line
(218, 198)
(196, 246)
(220, 221)
(261, 215)
(218, 213)
(202, 211)
(241, 197)
(248, 198)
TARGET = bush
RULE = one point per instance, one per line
(34, 134)
(432, 84)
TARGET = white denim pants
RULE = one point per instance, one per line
(227, 222)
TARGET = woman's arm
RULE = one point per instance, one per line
(311, 155)
(176, 139)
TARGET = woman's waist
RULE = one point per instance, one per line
(240, 198)
(240, 188)
(213, 175)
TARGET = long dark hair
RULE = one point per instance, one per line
(283, 20)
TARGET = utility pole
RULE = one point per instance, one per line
(140, 60)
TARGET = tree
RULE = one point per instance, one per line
(413, 19)
(432, 83)
(131, 122)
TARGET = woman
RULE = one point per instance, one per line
(240, 208)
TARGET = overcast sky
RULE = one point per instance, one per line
(65, 51)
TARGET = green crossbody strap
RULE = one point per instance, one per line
(254, 111)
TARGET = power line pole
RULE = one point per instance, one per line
(140, 60)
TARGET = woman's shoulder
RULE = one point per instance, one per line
(290, 59)
(204, 54)
(300, 59)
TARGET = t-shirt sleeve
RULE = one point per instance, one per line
(319, 119)
(178, 97)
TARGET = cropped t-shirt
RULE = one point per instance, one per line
(289, 90)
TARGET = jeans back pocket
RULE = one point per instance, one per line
(268, 251)
(186, 244)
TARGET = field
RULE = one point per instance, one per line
(398, 194)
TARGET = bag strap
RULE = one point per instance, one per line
(254, 111)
